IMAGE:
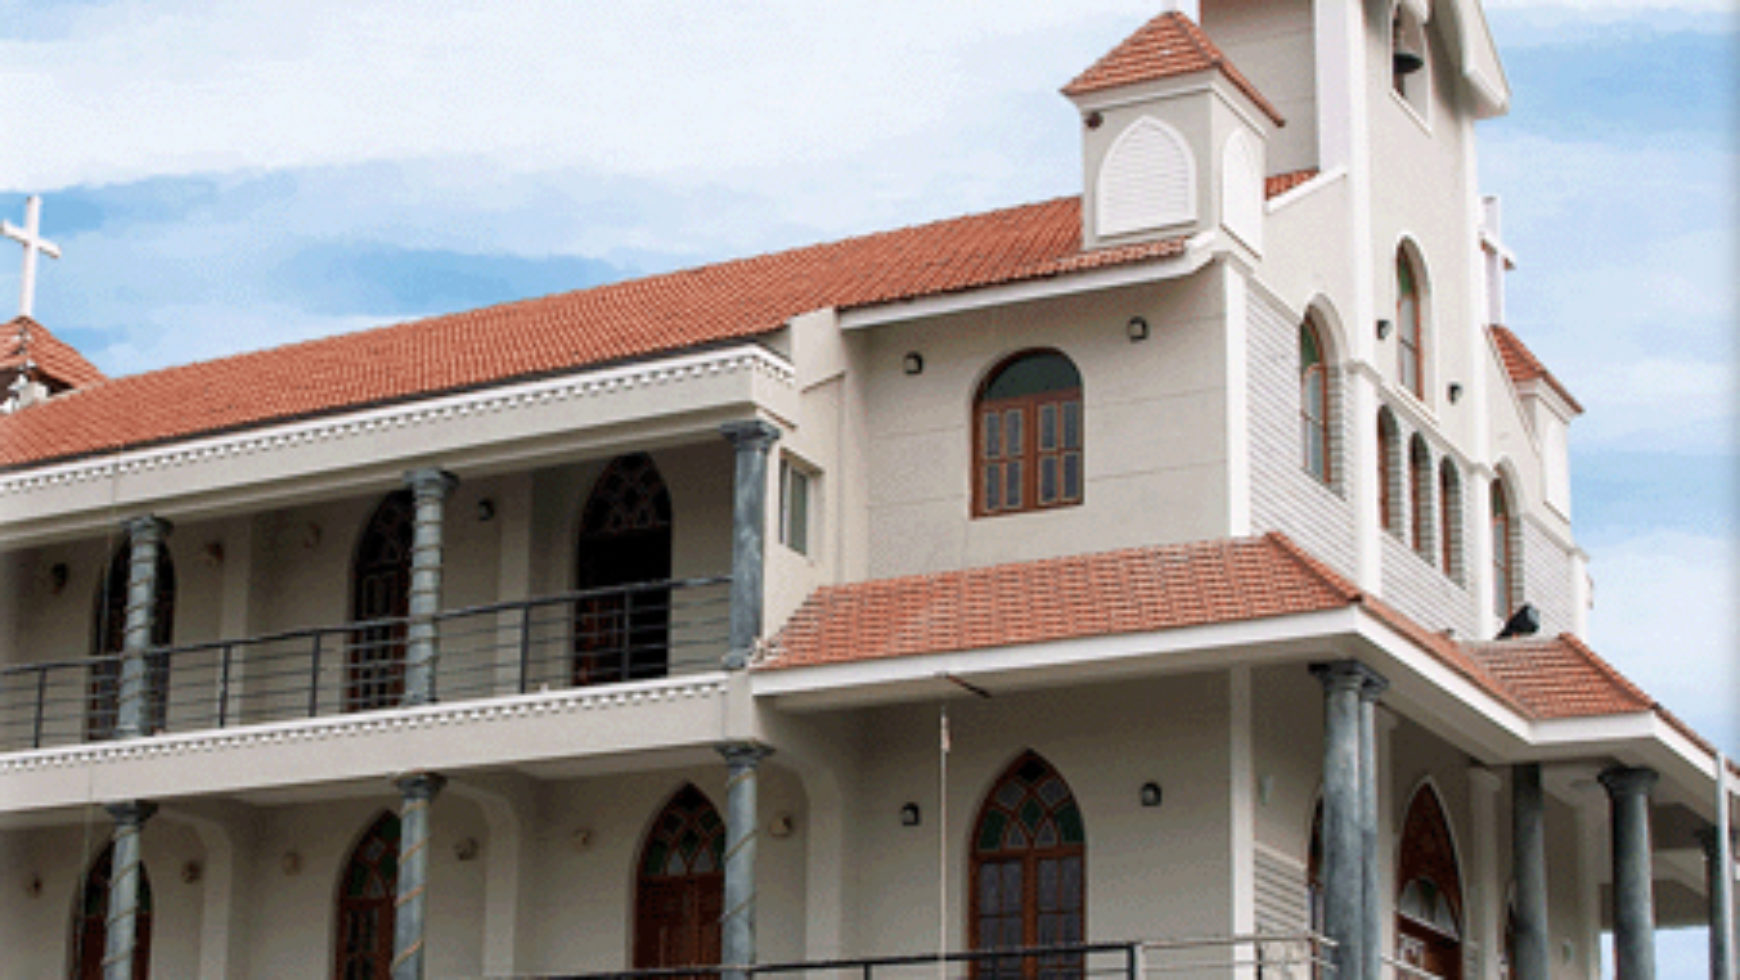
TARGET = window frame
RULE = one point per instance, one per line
(1420, 496)
(1031, 456)
(796, 516)
(1410, 326)
(1504, 563)
(1314, 418)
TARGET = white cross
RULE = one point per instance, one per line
(30, 236)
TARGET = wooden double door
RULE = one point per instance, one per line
(680, 894)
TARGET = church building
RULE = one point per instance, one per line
(1173, 579)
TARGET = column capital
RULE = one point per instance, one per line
(753, 434)
(1350, 675)
(132, 812)
(419, 785)
(146, 527)
(740, 755)
(1628, 780)
(430, 481)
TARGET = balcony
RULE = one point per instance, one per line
(616, 636)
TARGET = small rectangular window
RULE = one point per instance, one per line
(794, 507)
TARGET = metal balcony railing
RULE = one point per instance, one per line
(576, 639)
(1269, 956)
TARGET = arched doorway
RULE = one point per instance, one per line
(1429, 891)
(680, 892)
(1029, 885)
(110, 635)
(374, 675)
(90, 921)
(366, 892)
(625, 538)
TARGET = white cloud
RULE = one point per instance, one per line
(1665, 615)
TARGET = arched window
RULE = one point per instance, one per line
(1506, 577)
(625, 539)
(374, 674)
(1410, 331)
(1389, 461)
(1450, 519)
(1420, 496)
(1027, 435)
(1028, 886)
(111, 638)
(1313, 402)
(90, 921)
(366, 895)
(1429, 891)
(680, 892)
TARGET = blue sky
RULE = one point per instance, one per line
(224, 177)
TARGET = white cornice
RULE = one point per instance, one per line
(493, 400)
(574, 700)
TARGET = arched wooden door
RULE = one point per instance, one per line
(374, 675)
(366, 893)
(111, 635)
(1029, 884)
(681, 889)
(1429, 891)
(625, 538)
(90, 921)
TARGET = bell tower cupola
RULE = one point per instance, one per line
(1173, 139)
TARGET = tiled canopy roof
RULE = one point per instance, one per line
(1167, 46)
(1282, 183)
(1166, 587)
(1523, 366)
(552, 334)
(58, 364)
(1560, 677)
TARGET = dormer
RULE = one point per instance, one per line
(35, 365)
(1173, 140)
(1547, 408)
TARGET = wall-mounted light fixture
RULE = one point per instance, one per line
(212, 554)
(192, 872)
(1093, 120)
(1136, 329)
(912, 363)
(290, 863)
(486, 509)
(909, 815)
(1383, 328)
(1455, 392)
(58, 573)
(1151, 795)
(781, 826)
(465, 849)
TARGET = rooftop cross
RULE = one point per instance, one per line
(30, 236)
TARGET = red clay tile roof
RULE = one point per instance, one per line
(1560, 677)
(1128, 591)
(1169, 45)
(731, 300)
(1282, 183)
(58, 363)
(1523, 366)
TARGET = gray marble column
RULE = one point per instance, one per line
(1719, 857)
(416, 791)
(430, 488)
(737, 921)
(1628, 790)
(1371, 891)
(121, 929)
(1528, 868)
(752, 439)
(1344, 815)
(144, 542)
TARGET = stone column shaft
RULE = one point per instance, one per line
(737, 922)
(144, 543)
(1371, 890)
(752, 439)
(429, 491)
(1528, 860)
(121, 929)
(1344, 816)
(416, 792)
(1719, 858)
(1633, 891)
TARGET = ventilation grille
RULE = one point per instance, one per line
(1148, 180)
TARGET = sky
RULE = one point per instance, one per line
(224, 177)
